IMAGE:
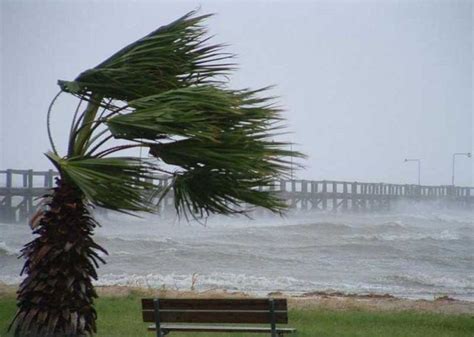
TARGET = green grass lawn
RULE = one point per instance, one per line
(120, 316)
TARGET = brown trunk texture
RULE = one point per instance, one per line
(56, 297)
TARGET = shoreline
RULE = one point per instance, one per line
(320, 300)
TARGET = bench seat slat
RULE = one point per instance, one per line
(217, 303)
(216, 328)
(211, 316)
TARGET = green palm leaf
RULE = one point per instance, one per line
(173, 56)
(119, 183)
(202, 191)
(204, 112)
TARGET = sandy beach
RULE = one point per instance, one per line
(311, 300)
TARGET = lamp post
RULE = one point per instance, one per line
(419, 168)
(291, 149)
(467, 154)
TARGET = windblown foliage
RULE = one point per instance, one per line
(170, 104)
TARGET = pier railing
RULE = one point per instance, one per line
(20, 189)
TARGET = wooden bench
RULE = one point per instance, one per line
(216, 315)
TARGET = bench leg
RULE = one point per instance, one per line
(272, 317)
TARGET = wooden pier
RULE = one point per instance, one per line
(342, 196)
(20, 189)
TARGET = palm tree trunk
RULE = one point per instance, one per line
(56, 297)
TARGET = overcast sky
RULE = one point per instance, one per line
(365, 84)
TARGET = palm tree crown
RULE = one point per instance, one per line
(167, 92)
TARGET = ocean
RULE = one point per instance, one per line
(417, 252)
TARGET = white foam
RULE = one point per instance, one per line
(445, 235)
(8, 250)
(230, 281)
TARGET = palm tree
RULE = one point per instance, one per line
(167, 93)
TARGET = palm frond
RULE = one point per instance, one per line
(118, 183)
(202, 112)
(202, 191)
(173, 56)
(233, 153)
(217, 177)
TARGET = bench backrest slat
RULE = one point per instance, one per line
(217, 304)
(215, 311)
(194, 316)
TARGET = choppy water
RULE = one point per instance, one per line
(403, 253)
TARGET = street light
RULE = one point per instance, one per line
(419, 168)
(467, 154)
(291, 150)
